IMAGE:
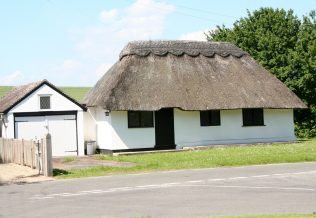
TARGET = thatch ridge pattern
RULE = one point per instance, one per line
(180, 48)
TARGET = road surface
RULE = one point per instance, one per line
(266, 189)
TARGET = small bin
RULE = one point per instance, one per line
(91, 147)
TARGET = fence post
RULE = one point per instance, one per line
(22, 155)
(32, 154)
(47, 145)
(37, 153)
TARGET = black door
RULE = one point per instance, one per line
(164, 128)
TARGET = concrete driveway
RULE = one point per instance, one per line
(266, 189)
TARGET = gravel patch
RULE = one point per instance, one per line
(16, 174)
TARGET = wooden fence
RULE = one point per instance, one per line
(34, 154)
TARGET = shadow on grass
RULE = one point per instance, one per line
(59, 172)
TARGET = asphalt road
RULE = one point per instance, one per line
(267, 189)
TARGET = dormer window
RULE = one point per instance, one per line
(45, 102)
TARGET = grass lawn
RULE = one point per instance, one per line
(216, 157)
(273, 216)
(77, 93)
(4, 90)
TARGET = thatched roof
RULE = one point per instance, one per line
(19, 93)
(189, 75)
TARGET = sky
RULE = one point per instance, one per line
(74, 42)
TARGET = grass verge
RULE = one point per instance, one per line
(217, 157)
(273, 216)
(77, 93)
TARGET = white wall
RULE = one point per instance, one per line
(80, 129)
(103, 128)
(90, 126)
(130, 138)
(113, 132)
(279, 126)
(58, 103)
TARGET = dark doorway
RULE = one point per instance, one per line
(164, 129)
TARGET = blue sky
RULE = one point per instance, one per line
(74, 42)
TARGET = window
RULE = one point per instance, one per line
(252, 117)
(44, 102)
(210, 118)
(138, 119)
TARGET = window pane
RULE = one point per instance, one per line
(215, 118)
(253, 117)
(210, 118)
(204, 118)
(45, 102)
(133, 119)
(147, 119)
(258, 117)
(247, 117)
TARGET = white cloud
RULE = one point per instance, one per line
(70, 64)
(196, 36)
(14, 78)
(107, 16)
(97, 47)
(144, 19)
(67, 67)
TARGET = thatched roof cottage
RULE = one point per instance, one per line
(162, 94)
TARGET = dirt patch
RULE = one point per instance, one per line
(14, 173)
(86, 162)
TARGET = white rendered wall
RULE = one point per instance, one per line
(90, 126)
(58, 103)
(279, 126)
(80, 130)
(130, 138)
(113, 132)
(103, 128)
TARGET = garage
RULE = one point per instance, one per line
(31, 111)
(61, 127)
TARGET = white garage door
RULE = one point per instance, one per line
(61, 127)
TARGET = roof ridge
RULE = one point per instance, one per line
(181, 47)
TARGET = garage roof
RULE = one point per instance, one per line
(19, 93)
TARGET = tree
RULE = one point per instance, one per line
(302, 74)
(285, 46)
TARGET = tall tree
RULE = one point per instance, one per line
(285, 46)
(301, 76)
